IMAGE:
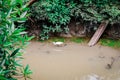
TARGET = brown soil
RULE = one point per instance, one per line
(72, 62)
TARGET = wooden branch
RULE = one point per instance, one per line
(31, 2)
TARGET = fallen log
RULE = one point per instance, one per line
(98, 33)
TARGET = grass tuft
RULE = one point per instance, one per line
(77, 40)
(110, 43)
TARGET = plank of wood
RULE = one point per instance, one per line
(98, 33)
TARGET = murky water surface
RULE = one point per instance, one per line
(72, 62)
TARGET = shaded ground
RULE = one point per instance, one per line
(72, 62)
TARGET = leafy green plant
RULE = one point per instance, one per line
(12, 37)
(56, 12)
(26, 72)
(55, 15)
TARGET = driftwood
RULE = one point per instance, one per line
(98, 33)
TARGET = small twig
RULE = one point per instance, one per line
(31, 19)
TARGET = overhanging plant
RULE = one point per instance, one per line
(54, 13)
(12, 38)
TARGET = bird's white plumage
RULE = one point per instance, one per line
(57, 43)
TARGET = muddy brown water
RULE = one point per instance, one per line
(72, 62)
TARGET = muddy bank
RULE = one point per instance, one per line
(72, 62)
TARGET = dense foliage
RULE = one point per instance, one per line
(58, 13)
(12, 39)
(97, 11)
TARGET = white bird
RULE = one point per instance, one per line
(58, 43)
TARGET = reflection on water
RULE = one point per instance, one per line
(72, 62)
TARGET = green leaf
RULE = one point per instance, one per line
(12, 27)
(20, 2)
(15, 52)
(2, 77)
(21, 33)
(21, 20)
(27, 71)
(7, 44)
(8, 15)
(29, 38)
(23, 14)
(17, 63)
